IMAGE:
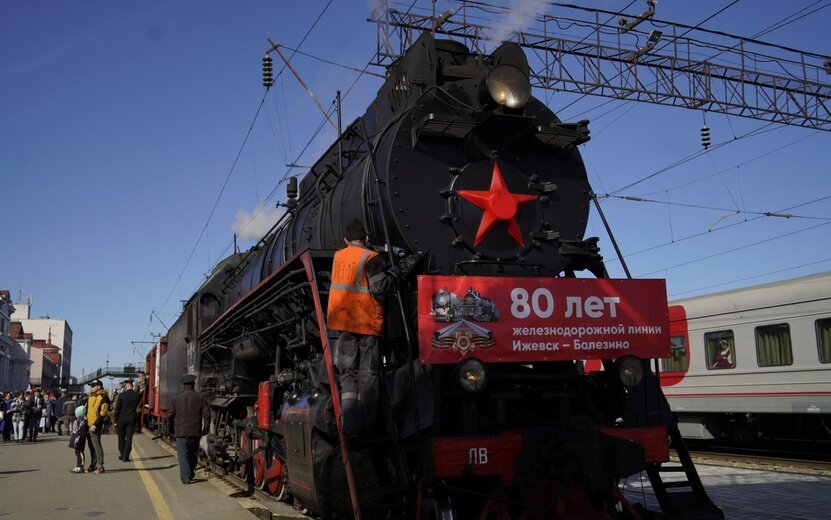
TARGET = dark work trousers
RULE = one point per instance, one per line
(34, 427)
(358, 362)
(97, 449)
(92, 460)
(125, 430)
(186, 449)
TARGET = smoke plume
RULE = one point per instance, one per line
(520, 14)
(252, 225)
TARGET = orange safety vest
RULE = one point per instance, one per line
(351, 306)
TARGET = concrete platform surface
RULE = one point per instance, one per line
(36, 482)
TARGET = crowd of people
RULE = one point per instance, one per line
(24, 415)
(80, 416)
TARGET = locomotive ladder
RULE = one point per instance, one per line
(688, 500)
(389, 461)
(368, 502)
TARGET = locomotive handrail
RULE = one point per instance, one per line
(461, 263)
(263, 283)
(404, 321)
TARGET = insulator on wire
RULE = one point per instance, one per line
(268, 77)
(705, 136)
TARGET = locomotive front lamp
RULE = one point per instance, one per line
(471, 375)
(630, 371)
(508, 86)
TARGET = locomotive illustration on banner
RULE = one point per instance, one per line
(447, 306)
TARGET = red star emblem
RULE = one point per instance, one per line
(500, 207)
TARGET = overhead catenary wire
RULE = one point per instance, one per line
(696, 154)
(733, 250)
(230, 172)
(715, 208)
(288, 174)
(216, 201)
(739, 165)
(710, 231)
(748, 278)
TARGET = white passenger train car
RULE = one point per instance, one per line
(753, 363)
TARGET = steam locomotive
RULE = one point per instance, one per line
(456, 159)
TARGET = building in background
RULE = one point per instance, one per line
(15, 359)
(52, 333)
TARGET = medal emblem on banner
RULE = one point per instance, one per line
(462, 335)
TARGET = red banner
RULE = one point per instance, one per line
(540, 319)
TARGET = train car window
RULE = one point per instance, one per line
(824, 340)
(721, 350)
(677, 360)
(773, 345)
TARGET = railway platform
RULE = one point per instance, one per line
(752, 494)
(35, 482)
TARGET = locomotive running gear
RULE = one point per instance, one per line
(352, 307)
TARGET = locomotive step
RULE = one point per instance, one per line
(677, 484)
(672, 469)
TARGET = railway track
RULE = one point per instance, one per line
(762, 461)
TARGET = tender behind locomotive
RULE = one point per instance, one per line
(456, 159)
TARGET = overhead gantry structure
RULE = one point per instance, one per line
(676, 65)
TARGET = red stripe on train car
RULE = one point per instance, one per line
(747, 394)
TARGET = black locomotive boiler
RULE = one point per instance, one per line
(453, 158)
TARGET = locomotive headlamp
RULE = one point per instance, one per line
(471, 375)
(508, 86)
(630, 371)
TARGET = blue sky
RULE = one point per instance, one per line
(122, 121)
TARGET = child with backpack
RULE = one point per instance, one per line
(78, 437)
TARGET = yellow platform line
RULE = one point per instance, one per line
(156, 498)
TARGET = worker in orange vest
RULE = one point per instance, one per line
(360, 279)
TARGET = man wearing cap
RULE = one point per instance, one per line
(356, 311)
(97, 406)
(124, 414)
(190, 415)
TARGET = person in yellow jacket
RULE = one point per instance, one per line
(97, 406)
(356, 311)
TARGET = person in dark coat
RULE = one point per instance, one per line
(6, 423)
(124, 416)
(57, 414)
(68, 412)
(190, 414)
(36, 405)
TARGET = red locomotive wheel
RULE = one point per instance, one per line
(243, 451)
(274, 474)
(258, 463)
